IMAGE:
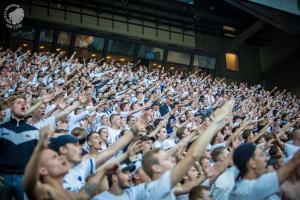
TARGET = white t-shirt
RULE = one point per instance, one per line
(49, 107)
(7, 116)
(74, 120)
(44, 122)
(266, 187)
(157, 115)
(224, 184)
(113, 135)
(74, 180)
(290, 149)
(167, 144)
(158, 190)
(157, 144)
(213, 147)
(124, 114)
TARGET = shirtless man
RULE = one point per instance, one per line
(45, 171)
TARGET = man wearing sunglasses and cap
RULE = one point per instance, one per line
(254, 182)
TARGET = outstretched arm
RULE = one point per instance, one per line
(198, 146)
(261, 133)
(44, 99)
(60, 115)
(32, 186)
(139, 109)
(113, 149)
(286, 171)
(132, 150)
(91, 187)
(186, 188)
(122, 142)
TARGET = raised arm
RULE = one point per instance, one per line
(237, 132)
(277, 137)
(198, 146)
(70, 81)
(160, 125)
(139, 109)
(60, 115)
(183, 142)
(91, 187)
(121, 143)
(132, 150)
(186, 188)
(44, 99)
(261, 133)
(114, 148)
(32, 186)
(92, 109)
(286, 171)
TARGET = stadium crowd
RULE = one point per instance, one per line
(75, 129)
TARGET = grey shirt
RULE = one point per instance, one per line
(266, 187)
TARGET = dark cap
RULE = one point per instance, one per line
(62, 140)
(128, 168)
(242, 154)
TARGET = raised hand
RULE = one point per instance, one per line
(62, 105)
(45, 133)
(82, 98)
(47, 98)
(181, 152)
(91, 118)
(135, 148)
(235, 142)
(140, 125)
(28, 98)
(59, 91)
(223, 112)
(245, 123)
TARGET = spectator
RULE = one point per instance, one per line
(254, 181)
(122, 111)
(17, 142)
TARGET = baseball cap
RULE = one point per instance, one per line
(56, 143)
(242, 154)
(128, 168)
